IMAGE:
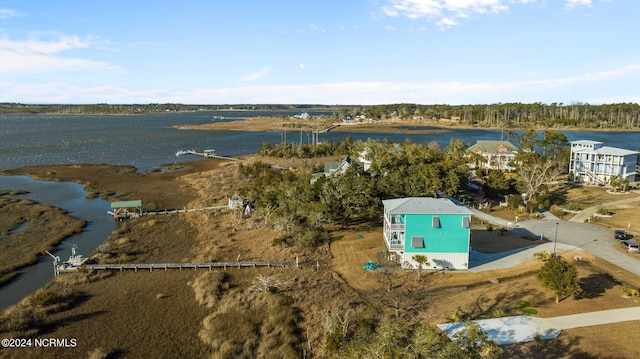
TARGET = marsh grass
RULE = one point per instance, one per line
(262, 325)
(41, 228)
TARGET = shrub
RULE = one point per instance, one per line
(605, 211)
(629, 290)
(573, 207)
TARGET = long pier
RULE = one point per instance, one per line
(207, 154)
(186, 210)
(180, 266)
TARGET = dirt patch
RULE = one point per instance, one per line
(497, 241)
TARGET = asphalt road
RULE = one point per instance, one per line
(575, 235)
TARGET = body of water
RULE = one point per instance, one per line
(71, 197)
(147, 141)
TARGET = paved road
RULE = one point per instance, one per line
(590, 237)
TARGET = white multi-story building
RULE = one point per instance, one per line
(593, 163)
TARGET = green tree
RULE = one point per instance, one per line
(495, 184)
(474, 343)
(560, 277)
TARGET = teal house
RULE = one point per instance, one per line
(434, 227)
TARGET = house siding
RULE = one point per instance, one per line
(450, 237)
(439, 260)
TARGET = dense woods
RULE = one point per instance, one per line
(499, 115)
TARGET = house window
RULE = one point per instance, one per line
(417, 242)
(465, 222)
(435, 222)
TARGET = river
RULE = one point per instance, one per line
(146, 141)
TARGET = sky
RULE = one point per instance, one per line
(356, 52)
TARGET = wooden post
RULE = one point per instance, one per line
(317, 265)
(297, 265)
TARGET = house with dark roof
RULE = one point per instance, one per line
(495, 154)
(332, 167)
(434, 227)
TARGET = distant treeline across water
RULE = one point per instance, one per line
(500, 115)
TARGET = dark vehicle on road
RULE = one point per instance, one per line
(630, 246)
(620, 234)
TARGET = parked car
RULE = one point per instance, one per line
(620, 234)
(630, 246)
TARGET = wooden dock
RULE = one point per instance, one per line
(186, 210)
(210, 155)
(180, 266)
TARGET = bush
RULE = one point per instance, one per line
(573, 207)
(604, 211)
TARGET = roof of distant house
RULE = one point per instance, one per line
(489, 146)
(586, 142)
(423, 205)
(604, 150)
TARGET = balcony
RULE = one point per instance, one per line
(394, 244)
(397, 246)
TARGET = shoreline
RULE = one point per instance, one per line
(277, 124)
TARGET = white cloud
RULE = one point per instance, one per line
(390, 28)
(301, 65)
(570, 4)
(7, 13)
(315, 27)
(446, 12)
(364, 93)
(35, 54)
(255, 75)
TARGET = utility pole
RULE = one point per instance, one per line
(555, 241)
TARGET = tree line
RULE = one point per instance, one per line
(498, 115)
(299, 207)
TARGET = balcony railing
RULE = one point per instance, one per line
(394, 244)
(396, 226)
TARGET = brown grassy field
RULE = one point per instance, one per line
(27, 229)
(199, 313)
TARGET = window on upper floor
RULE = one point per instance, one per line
(435, 222)
(417, 242)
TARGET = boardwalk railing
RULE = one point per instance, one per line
(180, 266)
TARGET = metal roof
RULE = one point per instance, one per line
(606, 150)
(489, 146)
(586, 142)
(126, 204)
(423, 205)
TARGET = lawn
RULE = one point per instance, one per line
(477, 295)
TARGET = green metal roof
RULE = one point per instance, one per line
(126, 204)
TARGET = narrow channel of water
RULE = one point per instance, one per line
(70, 197)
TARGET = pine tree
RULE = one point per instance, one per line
(559, 276)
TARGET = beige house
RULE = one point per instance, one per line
(495, 154)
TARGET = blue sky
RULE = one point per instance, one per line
(320, 51)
